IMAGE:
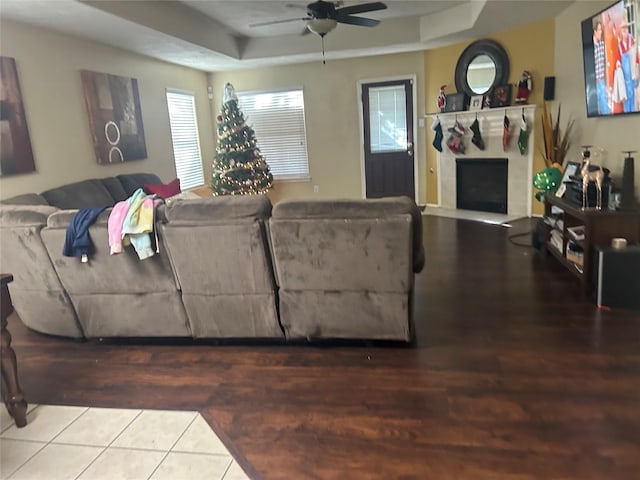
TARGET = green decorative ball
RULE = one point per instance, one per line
(548, 180)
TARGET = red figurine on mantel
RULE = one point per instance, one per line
(442, 98)
(524, 88)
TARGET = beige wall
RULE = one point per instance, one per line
(48, 66)
(611, 134)
(530, 47)
(332, 117)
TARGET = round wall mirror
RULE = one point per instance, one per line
(481, 73)
(482, 66)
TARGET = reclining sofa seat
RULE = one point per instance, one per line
(345, 268)
(117, 295)
(219, 252)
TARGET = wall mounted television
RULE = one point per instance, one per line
(611, 56)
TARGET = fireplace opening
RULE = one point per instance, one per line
(481, 184)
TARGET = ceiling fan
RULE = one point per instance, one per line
(323, 16)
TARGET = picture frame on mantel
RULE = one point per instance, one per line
(501, 96)
(456, 102)
(476, 103)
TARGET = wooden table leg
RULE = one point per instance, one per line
(13, 396)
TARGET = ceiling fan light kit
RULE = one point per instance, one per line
(321, 26)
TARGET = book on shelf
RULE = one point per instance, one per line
(554, 221)
(575, 253)
(556, 239)
(577, 232)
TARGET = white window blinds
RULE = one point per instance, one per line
(388, 118)
(186, 142)
(278, 121)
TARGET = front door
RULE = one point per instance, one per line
(388, 138)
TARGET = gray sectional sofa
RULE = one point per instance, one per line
(227, 267)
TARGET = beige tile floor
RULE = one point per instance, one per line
(69, 443)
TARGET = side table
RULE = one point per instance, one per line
(13, 397)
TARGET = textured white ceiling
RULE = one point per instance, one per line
(239, 15)
(215, 35)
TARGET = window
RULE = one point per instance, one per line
(388, 118)
(186, 143)
(278, 121)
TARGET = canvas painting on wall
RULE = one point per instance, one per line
(115, 117)
(15, 143)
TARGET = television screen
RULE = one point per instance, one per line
(611, 55)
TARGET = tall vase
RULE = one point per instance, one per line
(628, 188)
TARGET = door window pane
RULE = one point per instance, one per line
(388, 119)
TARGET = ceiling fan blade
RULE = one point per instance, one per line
(360, 21)
(274, 22)
(361, 8)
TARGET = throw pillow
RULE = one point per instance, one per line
(163, 190)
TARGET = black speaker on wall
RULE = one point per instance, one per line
(549, 88)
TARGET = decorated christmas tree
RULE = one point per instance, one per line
(239, 168)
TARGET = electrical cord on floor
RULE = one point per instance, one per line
(524, 234)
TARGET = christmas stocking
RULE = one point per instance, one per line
(477, 136)
(524, 135)
(505, 133)
(437, 127)
(455, 143)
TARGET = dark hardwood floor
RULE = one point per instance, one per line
(512, 376)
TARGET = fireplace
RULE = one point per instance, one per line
(481, 184)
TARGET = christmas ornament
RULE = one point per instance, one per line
(219, 118)
(437, 128)
(524, 88)
(524, 135)
(229, 93)
(548, 180)
(477, 136)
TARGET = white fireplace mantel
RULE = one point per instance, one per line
(520, 166)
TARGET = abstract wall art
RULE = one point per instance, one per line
(16, 155)
(115, 117)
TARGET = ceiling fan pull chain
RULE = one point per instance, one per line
(323, 61)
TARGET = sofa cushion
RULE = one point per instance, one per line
(23, 215)
(369, 208)
(115, 188)
(133, 181)
(85, 194)
(163, 190)
(26, 199)
(213, 210)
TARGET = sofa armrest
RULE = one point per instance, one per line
(23, 215)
